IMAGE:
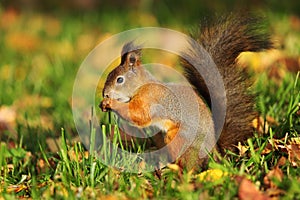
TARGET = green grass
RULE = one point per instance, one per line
(36, 81)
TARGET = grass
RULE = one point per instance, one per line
(36, 80)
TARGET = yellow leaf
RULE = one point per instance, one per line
(212, 175)
(173, 167)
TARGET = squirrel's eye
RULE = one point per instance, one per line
(120, 79)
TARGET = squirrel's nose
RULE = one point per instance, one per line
(105, 94)
(109, 93)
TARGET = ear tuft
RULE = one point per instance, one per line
(131, 54)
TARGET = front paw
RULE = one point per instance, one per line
(105, 105)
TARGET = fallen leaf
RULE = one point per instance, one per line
(259, 62)
(282, 65)
(268, 149)
(277, 71)
(262, 125)
(212, 175)
(174, 167)
(294, 152)
(278, 144)
(281, 161)
(248, 191)
(274, 193)
(16, 188)
(292, 64)
(272, 176)
(22, 42)
(242, 149)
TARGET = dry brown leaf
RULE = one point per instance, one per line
(281, 66)
(294, 152)
(292, 148)
(248, 191)
(268, 149)
(274, 193)
(281, 161)
(16, 188)
(275, 174)
(262, 125)
(242, 149)
(274, 144)
(292, 64)
(277, 72)
(41, 165)
(278, 144)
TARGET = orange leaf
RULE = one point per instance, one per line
(274, 174)
(248, 191)
(22, 42)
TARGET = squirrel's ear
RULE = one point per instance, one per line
(133, 59)
(131, 55)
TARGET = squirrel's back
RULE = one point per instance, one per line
(224, 40)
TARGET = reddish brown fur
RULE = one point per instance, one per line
(224, 40)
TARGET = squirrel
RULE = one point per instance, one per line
(134, 94)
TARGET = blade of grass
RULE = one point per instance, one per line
(64, 151)
(44, 154)
(92, 174)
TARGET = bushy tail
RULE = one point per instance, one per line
(224, 40)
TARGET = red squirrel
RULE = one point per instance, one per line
(133, 93)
